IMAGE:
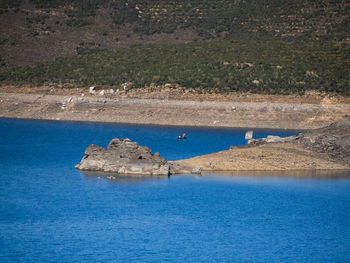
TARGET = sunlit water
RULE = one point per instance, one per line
(50, 212)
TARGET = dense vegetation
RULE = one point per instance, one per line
(270, 46)
(268, 66)
(221, 18)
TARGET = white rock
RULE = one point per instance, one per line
(197, 170)
(250, 141)
(102, 92)
(272, 138)
(122, 170)
(111, 91)
(92, 90)
(126, 86)
(249, 135)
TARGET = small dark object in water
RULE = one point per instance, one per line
(183, 136)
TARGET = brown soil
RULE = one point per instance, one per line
(311, 97)
(173, 107)
(324, 148)
(274, 156)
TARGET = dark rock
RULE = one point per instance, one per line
(94, 149)
(123, 157)
(333, 140)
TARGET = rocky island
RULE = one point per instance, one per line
(123, 157)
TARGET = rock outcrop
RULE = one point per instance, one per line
(123, 157)
(270, 139)
(333, 140)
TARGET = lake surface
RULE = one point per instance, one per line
(49, 212)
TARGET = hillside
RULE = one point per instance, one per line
(249, 45)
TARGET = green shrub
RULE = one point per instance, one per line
(78, 22)
(10, 3)
(264, 66)
(217, 19)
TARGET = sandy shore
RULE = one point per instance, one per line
(319, 149)
(268, 157)
(157, 111)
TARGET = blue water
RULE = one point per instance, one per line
(50, 212)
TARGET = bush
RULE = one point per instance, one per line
(78, 22)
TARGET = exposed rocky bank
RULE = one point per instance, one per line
(174, 107)
(333, 140)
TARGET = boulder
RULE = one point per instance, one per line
(127, 86)
(272, 138)
(197, 170)
(92, 90)
(123, 157)
(248, 135)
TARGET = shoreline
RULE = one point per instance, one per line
(297, 173)
(157, 125)
(319, 149)
(270, 157)
(307, 117)
(171, 112)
